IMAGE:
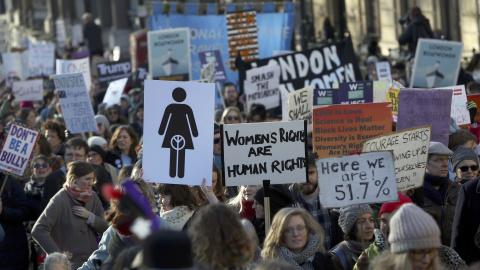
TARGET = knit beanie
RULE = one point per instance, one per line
(99, 150)
(280, 197)
(390, 207)
(350, 214)
(96, 140)
(102, 119)
(412, 228)
(462, 153)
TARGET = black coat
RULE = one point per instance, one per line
(14, 247)
(115, 159)
(419, 27)
(467, 221)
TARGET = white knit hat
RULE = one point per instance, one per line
(412, 228)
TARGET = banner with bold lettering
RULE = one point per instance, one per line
(112, 71)
(242, 36)
(41, 59)
(300, 106)
(392, 97)
(31, 90)
(74, 66)
(355, 92)
(262, 86)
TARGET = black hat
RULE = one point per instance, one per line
(99, 150)
(280, 197)
(167, 250)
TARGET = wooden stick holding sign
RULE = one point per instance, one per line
(266, 206)
(3, 185)
(220, 93)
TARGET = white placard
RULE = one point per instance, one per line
(115, 91)
(357, 179)
(17, 149)
(262, 86)
(76, 106)
(284, 94)
(208, 72)
(178, 130)
(459, 104)
(61, 32)
(15, 65)
(410, 151)
(380, 91)
(41, 59)
(31, 90)
(300, 106)
(383, 72)
(74, 66)
(77, 34)
(274, 151)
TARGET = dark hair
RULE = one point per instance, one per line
(79, 168)
(460, 137)
(351, 234)
(414, 12)
(44, 146)
(24, 112)
(125, 172)
(42, 157)
(56, 126)
(47, 94)
(312, 157)
(218, 188)
(257, 109)
(181, 195)
(133, 136)
(473, 88)
(227, 84)
(77, 142)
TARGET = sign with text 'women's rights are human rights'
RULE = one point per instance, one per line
(275, 151)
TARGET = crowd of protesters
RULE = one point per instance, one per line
(57, 217)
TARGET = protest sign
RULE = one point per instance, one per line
(380, 91)
(215, 56)
(77, 34)
(75, 66)
(340, 129)
(242, 36)
(61, 33)
(321, 67)
(392, 97)
(112, 71)
(436, 64)
(322, 97)
(284, 95)
(208, 72)
(282, 52)
(114, 92)
(169, 54)
(476, 99)
(459, 113)
(76, 106)
(274, 151)
(410, 154)
(419, 107)
(355, 92)
(300, 106)
(177, 135)
(357, 179)
(17, 149)
(262, 86)
(140, 75)
(31, 90)
(41, 59)
(383, 71)
(15, 65)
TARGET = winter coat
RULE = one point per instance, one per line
(14, 247)
(419, 27)
(58, 229)
(115, 159)
(351, 249)
(467, 221)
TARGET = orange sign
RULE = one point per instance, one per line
(340, 129)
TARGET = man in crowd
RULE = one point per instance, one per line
(230, 95)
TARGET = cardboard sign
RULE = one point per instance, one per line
(41, 59)
(419, 107)
(208, 72)
(355, 92)
(31, 90)
(380, 91)
(61, 33)
(340, 129)
(112, 71)
(169, 54)
(323, 97)
(300, 106)
(275, 151)
(215, 56)
(357, 179)
(392, 97)
(15, 65)
(75, 66)
(17, 149)
(76, 106)
(410, 153)
(262, 86)
(242, 34)
(178, 134)
(436, 64)
(114, 92)
(383, 71)
(460, 113)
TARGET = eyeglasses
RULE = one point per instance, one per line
(92, 155)
(77, 156)
(383, 221)
(420, 254)
(465, 168)
(299, 229)
(215, 141)
(38, 165)
(112, 113)
(231, 118)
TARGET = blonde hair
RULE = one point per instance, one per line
(401, 261)
(236, 201)
(275, 238)
(248, 227)
(56, 258)
(228, 110)
(78, 169)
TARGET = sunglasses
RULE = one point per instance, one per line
(465, 168)
(37, 166)
(231, 118)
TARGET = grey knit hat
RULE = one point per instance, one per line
(412, 228)
(350, 214)
(437, 148)
(462, 153)
(102, 119)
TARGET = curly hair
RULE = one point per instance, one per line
(275, 238)
(44, 146)
(133, 137)
(56, 126)
(181, 195)
(218, 238)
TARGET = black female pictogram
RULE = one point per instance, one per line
(178, 125)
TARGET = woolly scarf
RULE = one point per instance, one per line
(78, 194)
(437, 196)
(247, 211)
(34, 188)
(302, 260)
(357, 248)
(177, 217)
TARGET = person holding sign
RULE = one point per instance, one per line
(297, 238)
(465, 164)
(356, 222)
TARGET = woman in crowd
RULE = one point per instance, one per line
(103, 126)
(243, 202)
(43, 148)
(465, 164)
(297, 238)
(28, 115)
(414, 239)
(115, 116)
(122, 147)
(40, 167)
(177, 204)
(55, 133)
(211, 194)
(356, 222)
(73, 217)
(231, 115)
(219, 240)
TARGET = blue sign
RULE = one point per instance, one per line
(207, 57)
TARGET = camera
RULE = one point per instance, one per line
(404, 19)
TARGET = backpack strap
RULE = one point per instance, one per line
(343, 259)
